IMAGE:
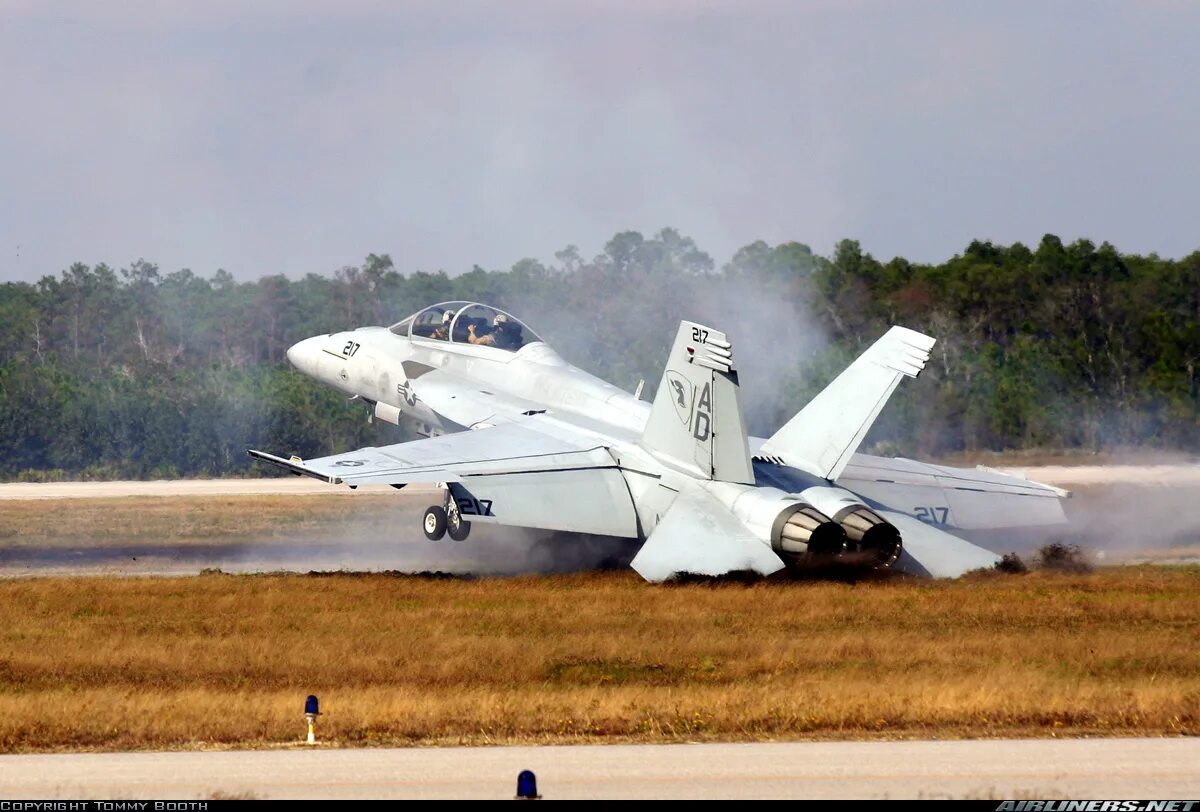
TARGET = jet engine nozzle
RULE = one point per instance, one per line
(871, 541)
(803, 531)
(875, 540)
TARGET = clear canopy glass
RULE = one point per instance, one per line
(467, 323)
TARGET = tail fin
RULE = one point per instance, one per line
(826, 432)
(696, 420)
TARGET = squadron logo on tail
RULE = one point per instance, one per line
(681, 396)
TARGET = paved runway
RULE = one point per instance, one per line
(1075, 768)
(374, 540)
(1122, 512)
(1062, 475)
(292, 485)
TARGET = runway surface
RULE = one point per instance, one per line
(1078, 768)
(1061, 475)
(385, 536)
(1117, 512)
(1147, 475)
(295, 486)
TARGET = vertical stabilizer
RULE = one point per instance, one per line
(696, 421)
(826, 432)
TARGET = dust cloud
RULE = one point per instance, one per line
(1125, 520)
(1116, 513)
(400, 545)
(391, 541)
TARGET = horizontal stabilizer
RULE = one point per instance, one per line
(823, 436)
(699, 536)
(933, 552)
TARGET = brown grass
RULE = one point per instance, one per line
(56, 522)
(227, 661)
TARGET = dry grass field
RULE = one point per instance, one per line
(220, 660)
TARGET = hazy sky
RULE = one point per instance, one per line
(294, 136)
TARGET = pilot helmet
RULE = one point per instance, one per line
(500, 319)
(447, 317)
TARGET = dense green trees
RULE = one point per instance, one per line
(137, 373)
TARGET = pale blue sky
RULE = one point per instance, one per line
(294, 136)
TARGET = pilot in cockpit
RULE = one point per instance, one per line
(508, 336)
(504, 334)
(443, 333)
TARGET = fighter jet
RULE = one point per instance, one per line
(517, 436)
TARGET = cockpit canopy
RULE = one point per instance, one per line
(467, 323)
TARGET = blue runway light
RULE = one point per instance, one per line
(527, 786)
(311, 707)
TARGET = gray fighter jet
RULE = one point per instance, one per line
(517, 436)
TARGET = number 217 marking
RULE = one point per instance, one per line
(469, 506)
(932, 515)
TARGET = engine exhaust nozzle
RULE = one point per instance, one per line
(870, 536)
(802, 530)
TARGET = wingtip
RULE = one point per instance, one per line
(294, 466)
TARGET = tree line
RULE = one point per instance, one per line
(133, 372)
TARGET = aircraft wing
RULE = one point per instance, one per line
(966, 498)
(506, 449)
(524, 473)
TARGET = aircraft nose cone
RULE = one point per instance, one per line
(305, 355)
